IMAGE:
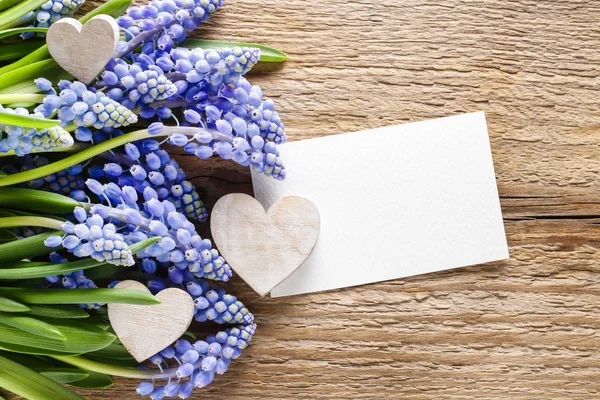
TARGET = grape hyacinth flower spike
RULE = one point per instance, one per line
(23, 140)
(48, 13)
(130, 204)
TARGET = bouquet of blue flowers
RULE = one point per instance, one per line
(89, 193)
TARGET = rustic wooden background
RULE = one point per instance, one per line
(522, 329)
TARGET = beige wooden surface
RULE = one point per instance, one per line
(522, 329)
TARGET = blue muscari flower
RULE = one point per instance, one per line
(199, 362)
(145, 388)
(143, 86)
(86, 107)
(71, 280)
(98, 240)
(159, 170)
(260, 115)
(167, 21)
(49, 13)
(156, 217)
(65, 182)
(216, 305)
(190, 253)
(138, 85)
(252, 151)
(28, 140)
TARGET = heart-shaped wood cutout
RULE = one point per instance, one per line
(146, 330)
(83, 50)
(264, 248)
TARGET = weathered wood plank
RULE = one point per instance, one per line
(525, 328)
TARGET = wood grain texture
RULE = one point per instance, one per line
(527, 328)
(141, 329)
(264, 247)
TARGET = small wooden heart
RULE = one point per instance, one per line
(146, 330)
(262, 247)
(83, 50)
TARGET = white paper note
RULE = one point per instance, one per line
(394, 202)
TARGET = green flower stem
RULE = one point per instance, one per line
(21, 98)
(100, 148)
(95, 366)
(114, 370)
(42, 222)
(16, 31)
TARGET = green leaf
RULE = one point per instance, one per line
(37, 200)
(267, 54)
(21, 88)
(40, 54)
(63, 375)
(9, 305)
(18, 50)
(19, 10)
(49, 269)
(7, 236)
(33, 350)
(30, 247)
(103, 272)
(32, 214)
(26, 120)
(24, 264)
(4, 4)
(112, 352)
(95, 380)
(79, 337)
(78, 296)
(31, 385)
(26, 73)
(114, 8)
(57, 371)
(57, 311)
(42, 222)
(31, 325)
(21, 98)
(100, 322)
(16, 31)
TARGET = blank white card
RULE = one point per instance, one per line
(394, 202)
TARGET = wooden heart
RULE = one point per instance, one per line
(264, 248)
(83, 50)
(146, 330)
